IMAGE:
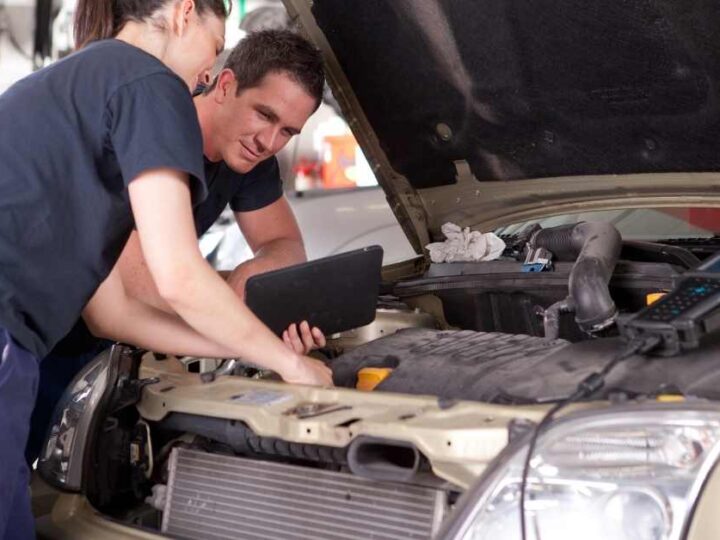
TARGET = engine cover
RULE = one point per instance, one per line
(447, 363)
(518, 369)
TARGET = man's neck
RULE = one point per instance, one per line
(203, 106)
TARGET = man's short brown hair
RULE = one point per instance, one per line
(272, 51)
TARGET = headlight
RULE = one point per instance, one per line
(615, 474)
(61, 459)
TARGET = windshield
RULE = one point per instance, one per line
(650, 224)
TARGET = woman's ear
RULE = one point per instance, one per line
(182, 14)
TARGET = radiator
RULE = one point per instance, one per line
(214, 496)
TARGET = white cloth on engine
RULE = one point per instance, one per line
(465, 245)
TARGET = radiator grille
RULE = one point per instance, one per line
(213, 496)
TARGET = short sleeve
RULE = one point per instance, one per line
(261, 187)
(153, 123)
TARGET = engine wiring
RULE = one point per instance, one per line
(587, 387)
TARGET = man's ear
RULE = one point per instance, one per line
(225, 87)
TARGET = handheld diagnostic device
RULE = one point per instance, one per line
(336, 293)
(685, 315)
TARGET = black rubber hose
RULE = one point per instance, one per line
(243, 440)
(595, 247)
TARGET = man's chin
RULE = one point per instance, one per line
(242, 165)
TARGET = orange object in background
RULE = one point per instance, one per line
(338, 158)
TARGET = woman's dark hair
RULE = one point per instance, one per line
(269, 51)
(102, 19)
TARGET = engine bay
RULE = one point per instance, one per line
(458, 347)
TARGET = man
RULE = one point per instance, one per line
(270, 85)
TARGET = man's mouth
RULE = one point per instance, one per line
(249, 154)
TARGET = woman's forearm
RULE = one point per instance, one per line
(188, 283)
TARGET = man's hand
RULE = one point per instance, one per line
(306, 370)
(305, 340)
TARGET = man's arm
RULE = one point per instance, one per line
(274, 237)
(111, 312)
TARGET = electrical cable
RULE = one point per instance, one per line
(591, 384)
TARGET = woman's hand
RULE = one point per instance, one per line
(306, 370)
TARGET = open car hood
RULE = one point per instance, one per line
(487, 113)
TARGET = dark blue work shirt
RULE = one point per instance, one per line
(244, 192)
(72, 136)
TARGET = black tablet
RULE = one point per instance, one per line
(336, 293)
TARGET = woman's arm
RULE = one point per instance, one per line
(161, 206)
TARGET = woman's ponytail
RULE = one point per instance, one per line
(94, 19)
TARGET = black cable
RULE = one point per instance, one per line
(591, 384)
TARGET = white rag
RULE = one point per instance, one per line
(465, 245)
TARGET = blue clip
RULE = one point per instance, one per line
(534, 267)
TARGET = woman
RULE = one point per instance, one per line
(90, 147)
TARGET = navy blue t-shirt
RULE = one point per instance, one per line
(72, 136)
(244, 192)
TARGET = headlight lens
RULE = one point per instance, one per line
(61, 459)
(624, 476)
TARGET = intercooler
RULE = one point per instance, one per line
(213, 496)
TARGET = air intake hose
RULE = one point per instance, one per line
(595, 248)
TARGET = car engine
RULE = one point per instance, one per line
(507, 332)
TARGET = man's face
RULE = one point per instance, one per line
(253, 126)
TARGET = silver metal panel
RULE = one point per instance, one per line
(213, 496)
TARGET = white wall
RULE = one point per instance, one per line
(17, 17)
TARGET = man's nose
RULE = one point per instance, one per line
(266, 139)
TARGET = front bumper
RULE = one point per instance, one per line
(73, 518)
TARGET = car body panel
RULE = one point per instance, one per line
(458, 440)
(73, 517)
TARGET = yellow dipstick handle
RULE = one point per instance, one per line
(670, 398)
(369, 377)
(653, 297)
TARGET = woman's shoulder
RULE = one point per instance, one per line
(122, 56)
(117, 64)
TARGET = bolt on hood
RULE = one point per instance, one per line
(485, 112)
